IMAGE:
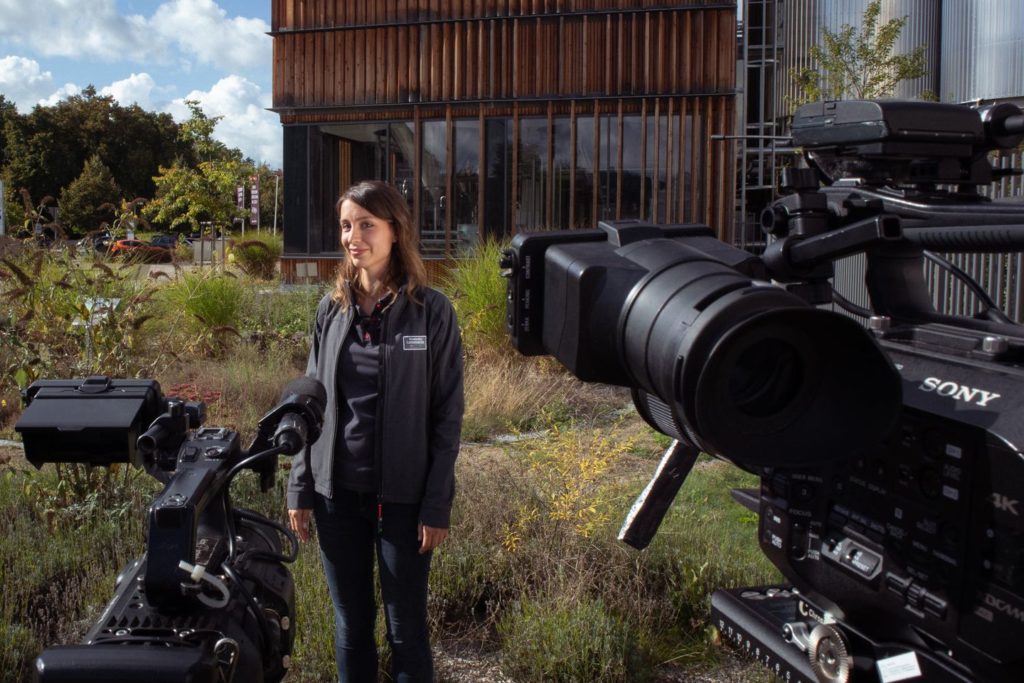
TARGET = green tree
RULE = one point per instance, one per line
(46, 150)
(859, 64)
(81, 200)
(197, 134)
(187, 196)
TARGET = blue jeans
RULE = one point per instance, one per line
(347, 529)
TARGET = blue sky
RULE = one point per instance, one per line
(155, 54)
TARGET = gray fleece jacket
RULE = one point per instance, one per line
(419, 409)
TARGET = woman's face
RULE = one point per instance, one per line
(366, 238)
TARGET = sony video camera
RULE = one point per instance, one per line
(887, 437)
(210, 601)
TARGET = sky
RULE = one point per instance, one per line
(154, 54)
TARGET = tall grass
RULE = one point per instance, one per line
(531, 565)
(206, 303)
(57, 564)
(257, 256)
(477, 291)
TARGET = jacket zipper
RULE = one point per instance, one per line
(378, 427)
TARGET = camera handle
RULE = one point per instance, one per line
(653, 503)
(795, 257)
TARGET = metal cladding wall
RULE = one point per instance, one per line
(983, 50)
(804, 19)
(922, 28)
(975, 48)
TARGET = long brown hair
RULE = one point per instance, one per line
(405, 265)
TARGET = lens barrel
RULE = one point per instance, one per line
(732, 363)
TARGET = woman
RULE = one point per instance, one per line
(380, 480)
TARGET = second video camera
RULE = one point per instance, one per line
(892, 480)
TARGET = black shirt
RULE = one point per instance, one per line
(358, 388)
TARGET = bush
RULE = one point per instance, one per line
(208, 303)
(257, 257)
(550, 639)
(477, 291)
(49, 297)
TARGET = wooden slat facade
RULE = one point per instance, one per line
(631, 95)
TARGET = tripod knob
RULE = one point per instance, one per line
(829, 654)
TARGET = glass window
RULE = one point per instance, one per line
(562, 165)
(532, 181)
(609, 175)
(467, 183)
(583, 217)
(433, 183)
(632, 169)
(498, 188)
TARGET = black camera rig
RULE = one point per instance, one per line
(211, 600)
(889, 450)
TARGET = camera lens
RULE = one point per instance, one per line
(746, 370)
(767, 377)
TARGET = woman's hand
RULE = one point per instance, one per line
(298, 520)
(430, 537)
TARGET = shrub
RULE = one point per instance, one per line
(257, 257)
(65, 317)
(477, 291)
(208, 303)
(550, 639)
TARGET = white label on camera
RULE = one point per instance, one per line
(954, 451)
(899, 668)
(951, 493)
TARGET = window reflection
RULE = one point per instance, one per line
(583, 215)
(562, 143)
(467, 183)
(632, 169)
(498, 186)
(608, 177)
(555, 181)
(532, 180)
(433, 184)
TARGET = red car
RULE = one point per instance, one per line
(141, 251)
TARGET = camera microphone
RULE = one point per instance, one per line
(298, 416)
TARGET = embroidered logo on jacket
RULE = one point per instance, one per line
(414, 343)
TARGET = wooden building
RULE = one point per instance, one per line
(498, 116)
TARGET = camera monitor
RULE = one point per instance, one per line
(98, 431)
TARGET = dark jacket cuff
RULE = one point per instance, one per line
(300, 500)
(436, 517)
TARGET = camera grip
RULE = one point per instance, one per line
(650, 507)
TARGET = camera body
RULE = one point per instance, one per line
(892, 484)
(211, 599)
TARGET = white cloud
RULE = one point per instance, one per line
(62, 93)
(139, 89)
(246, 124)
(201, 29)
(23, 81)
(75, 28)
(180, 32)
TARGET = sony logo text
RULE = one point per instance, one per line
(959, 392)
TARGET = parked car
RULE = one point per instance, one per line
(168, 241)
(142, 251)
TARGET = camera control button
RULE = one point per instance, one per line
(915, 595)
(896, 584)
(864, 561)
(934, 605)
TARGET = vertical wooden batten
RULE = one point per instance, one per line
(340, 62)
